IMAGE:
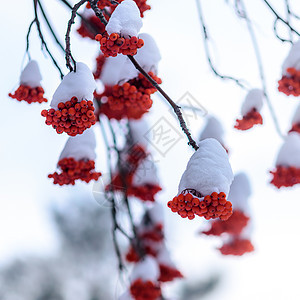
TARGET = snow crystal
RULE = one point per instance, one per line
(208, 169)
(254, 99)
(146, 269)
(148, 56)
(296, 117)
(156, 213)
(125, 20)
(289, 154)
(292, 60)
(81, 146)
(212, 129)
(138, 130)
(31, 75)
(239, 193)
(145, 173)
(80, 84)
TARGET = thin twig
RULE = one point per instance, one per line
(260, 68)
(277, 35)
(280, 18)
(175, 107)
(27, 38)
(68, 43)
(288, 18)
(37, 22)
(98, 12)
(50, 27)
(206, 48)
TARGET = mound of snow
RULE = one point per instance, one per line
(213, 129)
(31, 75)
(254, 99)
(296, 117)
(146, 269)
(293, 59)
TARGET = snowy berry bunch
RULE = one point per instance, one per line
(30, 89)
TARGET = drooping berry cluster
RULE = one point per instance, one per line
(249, 120)
(100, 60)
(295, 128)
(234, 225)
(168, 273)
(210, 207)
(130, 100)
(72, 117)
(290, 84)
(285, 176)
(145, 290)
(29, 94)
(113, 44)
(238, 247)
(91, 26)
(72, 170)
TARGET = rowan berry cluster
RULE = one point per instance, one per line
(210, 207)
(285, 176)
(168, 273)
(290, 84)
(72, 170)
(113, 44)
(142, 290)
(234, 225)
(249, 120)
(29, 94)
(238, 247)
(130, 100)
(72, 117)
(100, 60)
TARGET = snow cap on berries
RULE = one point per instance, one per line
(31, 75)
(81, 146)
(164, 257)
(125, 20)
(138, 130)
(80, 84)
(239, 193)
(208, 170)
(292, 60)
(145, 174)
(296, 117)
(148, 56)
(288, 155)
(213, 129)
(147, 269)
(117, 70)
(254, 99)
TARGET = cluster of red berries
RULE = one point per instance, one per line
(249, 120)
(285, 176)
(72, 170)
(144, 192)
(295, 128)
(211, 207)
(145, 290)
(234, 225)
(100, 60)
(290, 85)
(154, 234)
(133, 256)
(168, 274)
(29, 94)
(237, 246)
(113, 44)
(72, 117)
(133, 97)
(90, 27)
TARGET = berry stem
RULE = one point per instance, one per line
(175, 107)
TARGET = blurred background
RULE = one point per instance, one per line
(56, 243)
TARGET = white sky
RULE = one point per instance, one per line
(29, 149)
